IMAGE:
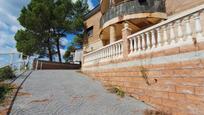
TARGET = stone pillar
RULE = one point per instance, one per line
(126, 31)
(112, 34)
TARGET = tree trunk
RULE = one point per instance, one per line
(49, 50)
(58, 50)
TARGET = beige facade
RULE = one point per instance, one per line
(175, 6)
(93, 41)
(111, 30)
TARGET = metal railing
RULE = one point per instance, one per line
(132, 7)
(17, 61)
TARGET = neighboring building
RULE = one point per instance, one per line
(152, 49)
(78, 55)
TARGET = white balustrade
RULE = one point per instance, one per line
(178, 30)
(153, 38)
(110, 52)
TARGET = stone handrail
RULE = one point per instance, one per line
(177, 30)
(109, 52)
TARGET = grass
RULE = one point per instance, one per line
(5, 89)
(6, 73)
(155, 112)
(117, 91)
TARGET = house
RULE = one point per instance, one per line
(152, 49)
(78, 56)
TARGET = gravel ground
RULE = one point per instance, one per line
(66, 92)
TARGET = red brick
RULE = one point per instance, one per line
(158, 54)
(172, 51)
(144, 98)
(183, 72)
(157, 101)
(169, 103)
(195, 98)
(199, 90)
(168, 88)
(177, 96)
(188, 48)
(198, 73)
(185, 89)
(157, 94)
(201, 46)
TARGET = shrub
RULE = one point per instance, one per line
(155, 112)
(6, 73)
(117, 91)
(4, 90)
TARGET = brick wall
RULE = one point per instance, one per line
(42, 65)
(171, 80)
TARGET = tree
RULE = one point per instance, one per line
(27, 43)
(35, 18)
(67, 54)
(77, 27)
(51, 20)
(78, 40)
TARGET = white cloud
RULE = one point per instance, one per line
(91, 5)
(14, 29)
(64, 41)
(9, 12)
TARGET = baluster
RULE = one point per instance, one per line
(100, 53)
(118, 53)
(165, 36)
(111, 47)
(179, 30)
(188, 31)
(153, 39)
(135, 44)
(148, 40)
(143, 42)
(139, 43)
(109, 50)
(118, 49)
(114, 50)
(172, 33)
(121, 49)
(159, 37)
(110, 53)
(104, 54)
(198, 27)
(131, 46)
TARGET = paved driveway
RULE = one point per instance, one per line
(58, 92)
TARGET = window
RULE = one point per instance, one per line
(142, 2)
(90, 31)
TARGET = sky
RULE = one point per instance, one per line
(9, 25)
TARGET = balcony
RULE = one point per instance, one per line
(132, 7)
(179, 30)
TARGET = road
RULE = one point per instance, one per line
(66, 92)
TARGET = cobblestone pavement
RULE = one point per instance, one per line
(66, 92)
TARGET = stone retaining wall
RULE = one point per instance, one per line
(171, 80)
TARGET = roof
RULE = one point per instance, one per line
(92, 12)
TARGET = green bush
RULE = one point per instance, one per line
(117, 91)
(6, 73)
(4, 90)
